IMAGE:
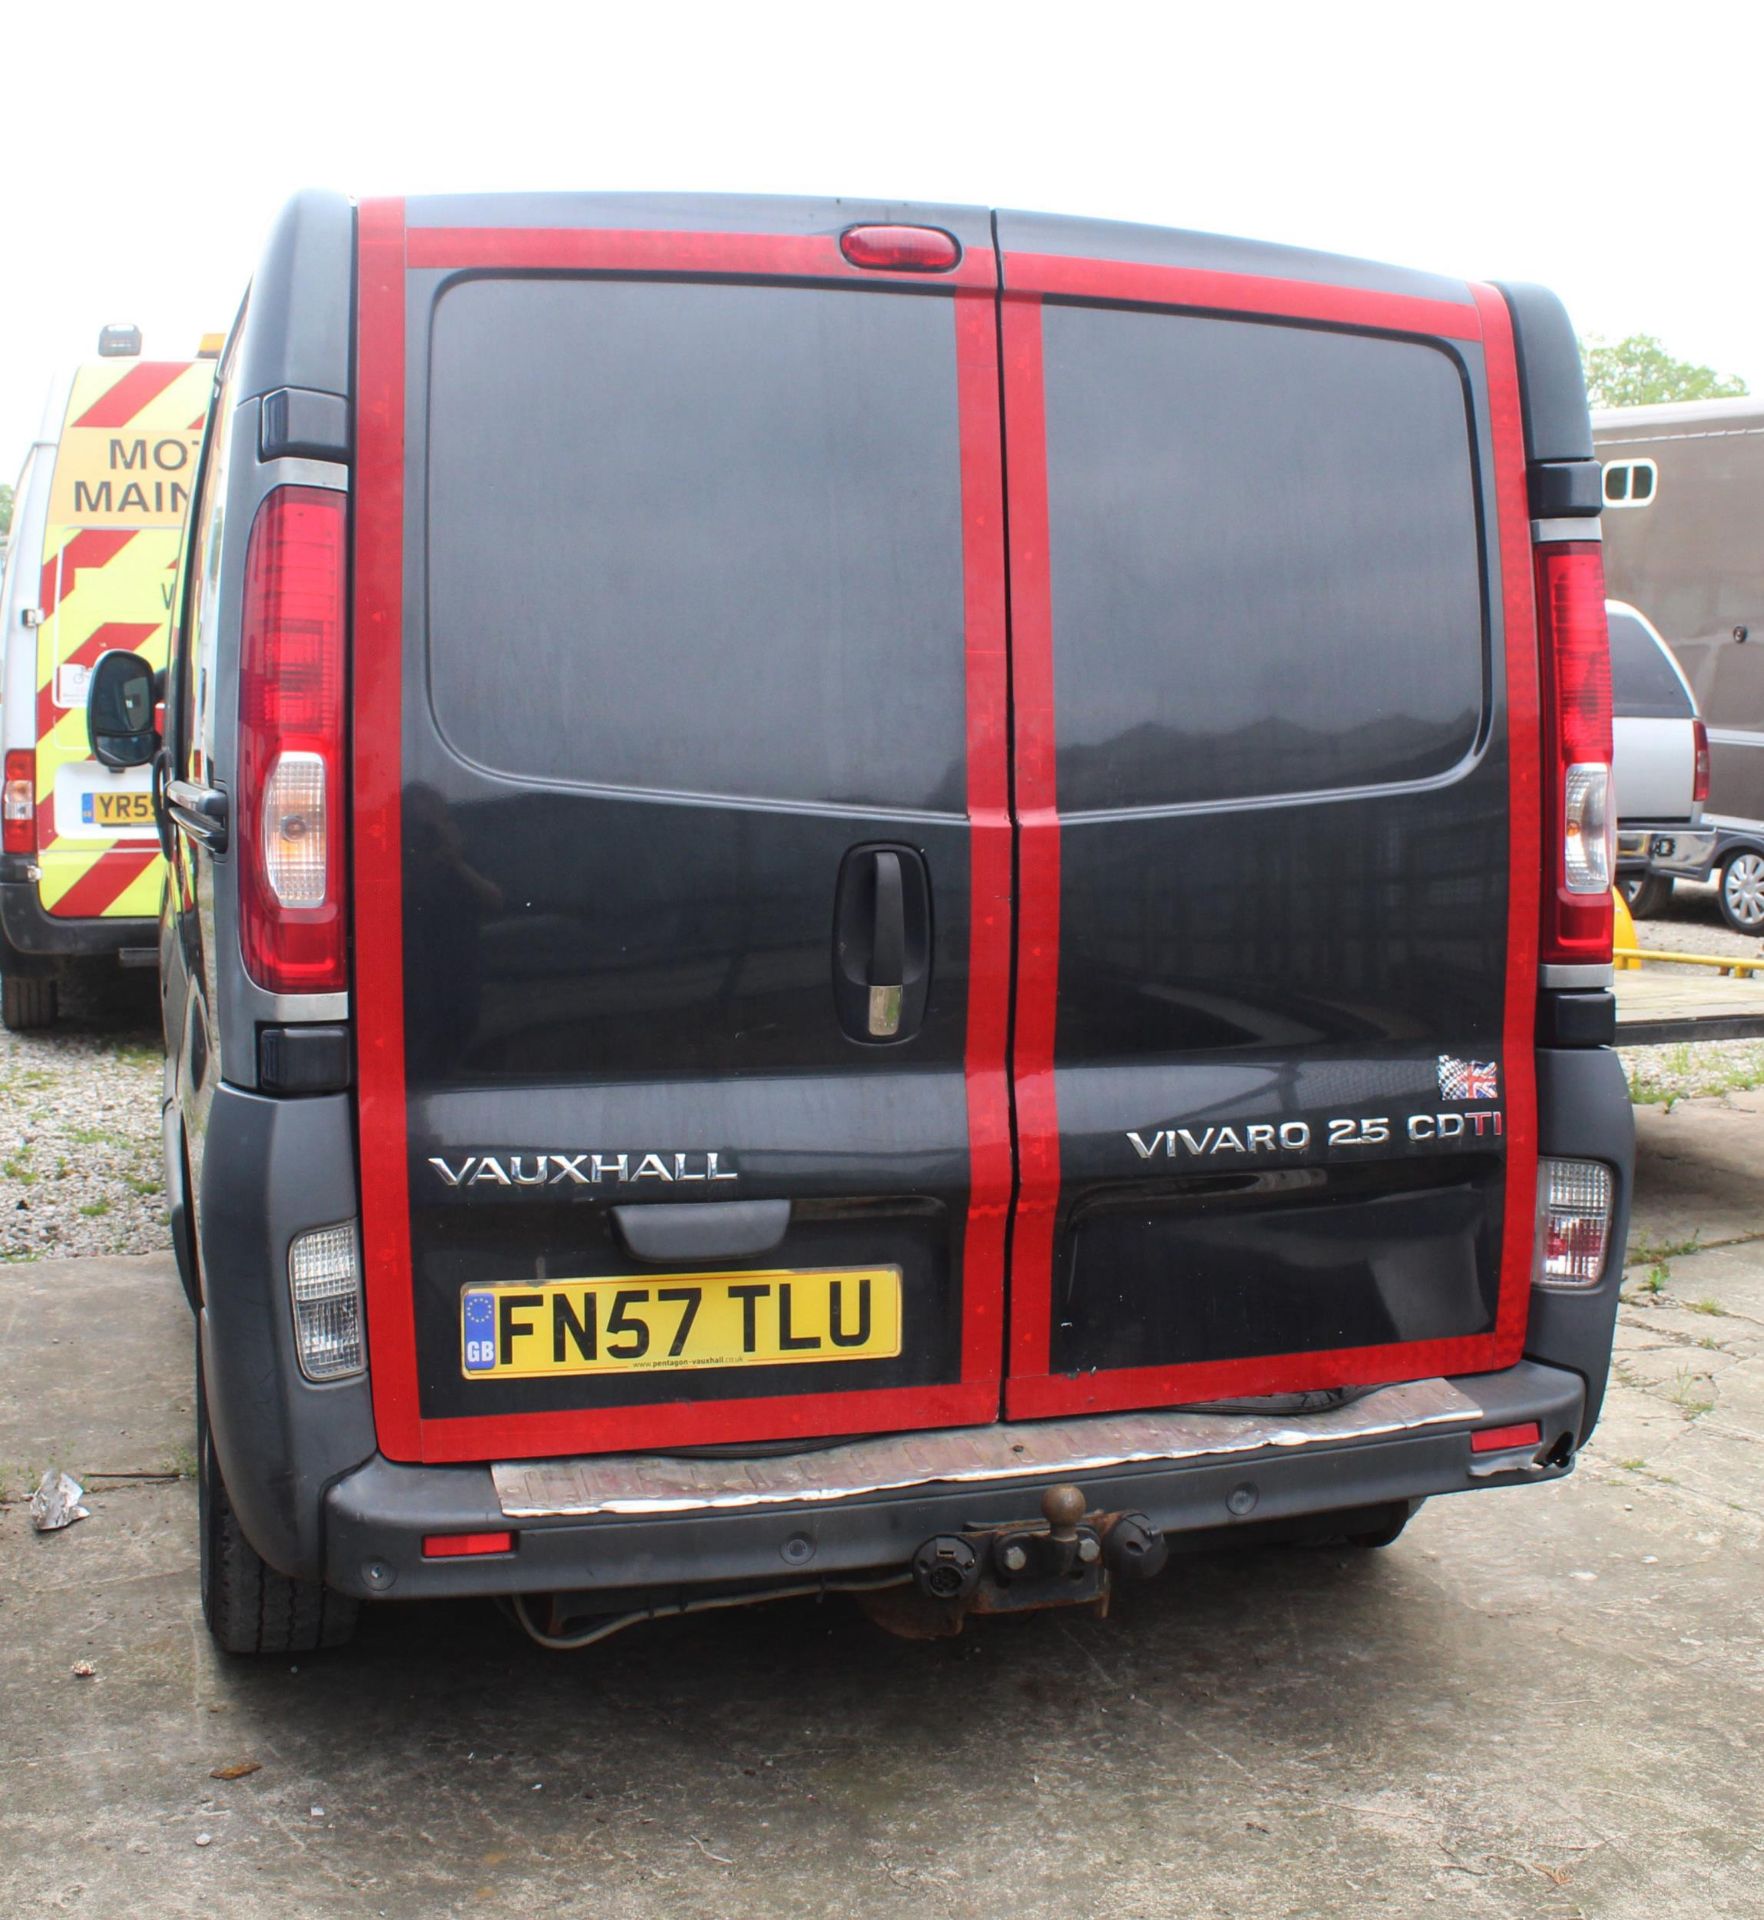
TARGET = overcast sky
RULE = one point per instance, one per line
(1612, 151)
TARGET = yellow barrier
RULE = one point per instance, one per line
(1623, 932)
(1722, 963)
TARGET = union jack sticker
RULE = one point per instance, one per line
(1468, 1079)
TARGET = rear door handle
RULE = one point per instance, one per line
(882, 943)
(887, 969)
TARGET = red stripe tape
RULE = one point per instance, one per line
(1525, 823)
(1060, 274)
(616, 250)
(1038, 841)
(137, 389)
(378, 634)
(991, 1170)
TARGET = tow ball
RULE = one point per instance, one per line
(1065, 1559)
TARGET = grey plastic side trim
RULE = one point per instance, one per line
(1551, 974)
(1544, 532)
(287, 471)
(304, 1006)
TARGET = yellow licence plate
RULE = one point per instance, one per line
(120, 809)
(528, 1329)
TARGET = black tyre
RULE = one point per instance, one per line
(1741, 895)
(27, 1004)
(249, 1606)
(1389, 1528)
(1647, 894)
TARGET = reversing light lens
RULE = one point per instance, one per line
(1587, 828)
(901, 249)
(294, 856)
(324, 1278)
(1574, 1222)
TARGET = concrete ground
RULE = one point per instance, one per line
(1538, 1703)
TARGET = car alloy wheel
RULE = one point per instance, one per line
(1742, 892)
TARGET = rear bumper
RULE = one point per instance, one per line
(32, 932)
(376, 1518)
(319, 1501)
(1670, 849)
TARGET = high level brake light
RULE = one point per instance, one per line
(292, 927)
(18, 813)
(1579, 817)
(901, 249)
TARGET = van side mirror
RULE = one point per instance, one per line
(120, 699)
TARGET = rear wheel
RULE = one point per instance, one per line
(1647, 894)
(1388, 1528)
(27, 1004)
(1742, 892)
(249, 1606)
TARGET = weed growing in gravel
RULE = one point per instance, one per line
(1690, 1392)
(1670, 1074)
(1640, 1250)
(19, 1169)
(96, 1210)
(1708, 1306)
(1632, 1466)
(1654, 1280)
(1709, 1343)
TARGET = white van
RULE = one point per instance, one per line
(97, 527)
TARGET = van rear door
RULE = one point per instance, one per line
(682, 853)
(1275, 747)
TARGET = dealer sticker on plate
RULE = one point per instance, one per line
(529, 1329)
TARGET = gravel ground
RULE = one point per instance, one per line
(79, 1126)
(1692, 923)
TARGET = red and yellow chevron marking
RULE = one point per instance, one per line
(123, 473)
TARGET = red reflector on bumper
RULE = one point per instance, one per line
(1497, 1439)
(439, 1546)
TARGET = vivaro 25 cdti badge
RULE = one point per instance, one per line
(873, 896)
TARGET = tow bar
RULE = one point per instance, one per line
(1067, 1558)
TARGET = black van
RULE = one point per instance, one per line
(874, 896)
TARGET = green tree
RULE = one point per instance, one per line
(1639, 372)
(5, 510)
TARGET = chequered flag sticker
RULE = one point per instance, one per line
(1468, 1079)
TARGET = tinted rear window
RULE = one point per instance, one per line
(698, 538)
(1266, 571)
(1643, 684)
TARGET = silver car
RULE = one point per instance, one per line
(1660, 765)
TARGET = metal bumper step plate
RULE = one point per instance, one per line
(650, 1483)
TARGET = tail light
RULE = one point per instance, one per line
(18, 813)
(1579, 815)
(1700, 778)
(292, 926)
